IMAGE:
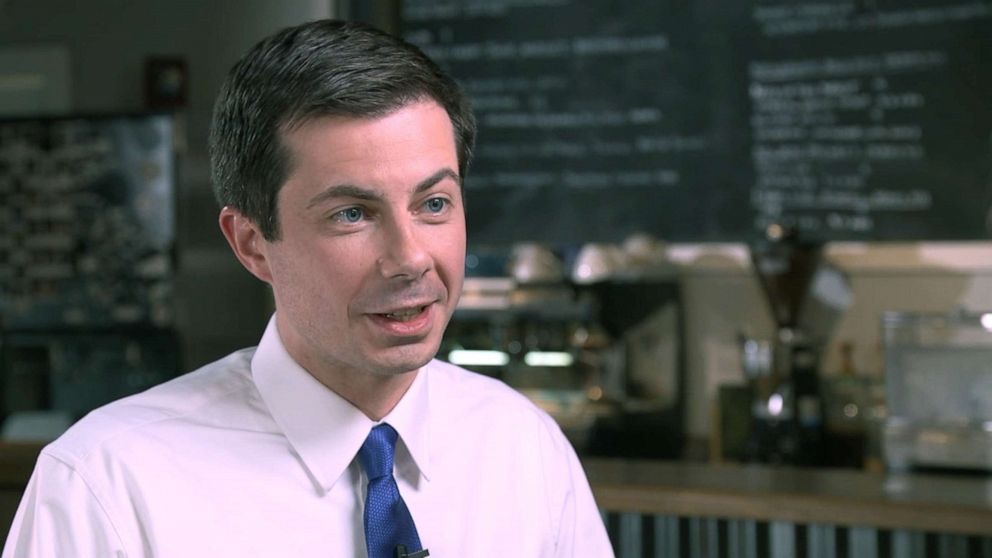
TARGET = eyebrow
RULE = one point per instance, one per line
(430, 181)
(371, 194)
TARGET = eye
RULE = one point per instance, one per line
(350, 215)
(436, 205)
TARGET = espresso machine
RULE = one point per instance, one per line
(782, 373)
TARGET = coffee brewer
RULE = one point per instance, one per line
(786, 406)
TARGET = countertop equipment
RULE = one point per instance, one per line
(786, 411)
(602, 353)
(938, 375)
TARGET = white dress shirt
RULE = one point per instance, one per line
(251, 456)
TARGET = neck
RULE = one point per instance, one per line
(373, 394)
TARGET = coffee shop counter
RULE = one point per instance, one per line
(925, 503)
(16, 463)
(928, 502)
(756, 510)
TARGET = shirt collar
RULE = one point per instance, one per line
(411, 418)
(324, 429)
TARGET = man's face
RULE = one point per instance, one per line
(370, 260)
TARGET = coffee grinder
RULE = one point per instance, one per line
(786, 409)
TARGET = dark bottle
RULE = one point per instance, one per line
(847, 410)
(808, 400)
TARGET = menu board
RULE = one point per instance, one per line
(594, 123)
(872, 120)
(708, 120)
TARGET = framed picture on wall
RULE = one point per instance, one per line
(166, 82)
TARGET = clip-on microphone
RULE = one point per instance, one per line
(402, 553)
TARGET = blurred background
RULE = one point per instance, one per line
(748, 232)
(659, 192)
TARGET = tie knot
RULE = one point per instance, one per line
(376, 454)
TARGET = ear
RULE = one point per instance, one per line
(246, 241)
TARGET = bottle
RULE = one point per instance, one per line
(846, 398)
(808, 421)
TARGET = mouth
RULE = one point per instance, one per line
(407, 322)
(406, 314)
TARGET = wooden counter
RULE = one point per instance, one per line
(936, 503)
(16, 463)
(956, 509)
(932, 503)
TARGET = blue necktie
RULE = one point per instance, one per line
(388, 523)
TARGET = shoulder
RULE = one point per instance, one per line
(507, 435)
(451, 381)
(469, 397)
(193, 398)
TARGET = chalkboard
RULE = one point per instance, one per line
(872, 121)
(700, 120)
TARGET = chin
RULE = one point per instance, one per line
(404, 359)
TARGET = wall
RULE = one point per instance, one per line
(221, 307)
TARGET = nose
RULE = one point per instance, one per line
(404, 254)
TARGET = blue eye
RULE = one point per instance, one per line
(350, 215)
(436, 205)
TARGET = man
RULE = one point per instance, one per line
(338, 156)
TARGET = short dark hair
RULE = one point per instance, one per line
(320, 68)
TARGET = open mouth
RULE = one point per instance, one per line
(406, 314)
(409, 324)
